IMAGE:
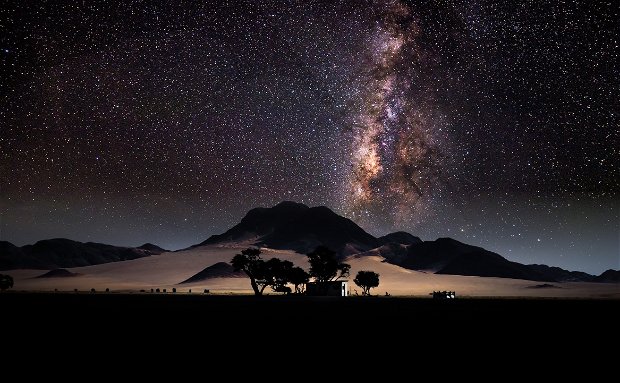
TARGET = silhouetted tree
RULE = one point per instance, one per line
(276, 274)
(250, 262)
(6, 282)
(298, 277)
(324, 266)
(366, 280)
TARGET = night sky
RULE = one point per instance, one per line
(495, 123)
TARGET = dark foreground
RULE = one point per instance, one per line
(390, 336)
(115, 309)
(216, 330)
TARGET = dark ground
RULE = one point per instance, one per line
(390, 335)
(100, 308)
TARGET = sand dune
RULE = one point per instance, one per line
(168, 269)
(58, 273)
(217, 270)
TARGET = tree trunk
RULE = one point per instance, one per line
(255, 287)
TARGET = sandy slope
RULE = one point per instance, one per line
(168, 269)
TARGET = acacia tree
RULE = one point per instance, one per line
(274, 273)
(277, 274)
(250, 262)
(324, 267)
(298, 277)
(366, 280)
(6, 282)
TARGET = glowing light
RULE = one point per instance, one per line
(393, 156)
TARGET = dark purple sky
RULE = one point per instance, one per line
(136, 121)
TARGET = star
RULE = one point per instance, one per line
(130, 124)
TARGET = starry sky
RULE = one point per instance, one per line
(492, 122)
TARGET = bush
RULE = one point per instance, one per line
(6, 282)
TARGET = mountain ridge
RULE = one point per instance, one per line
(294, 226)
(56, 253)
(300, 228)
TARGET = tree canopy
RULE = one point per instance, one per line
(274, 273)
(277, 274)
(324, 266)
(366, 280)
(298, 277)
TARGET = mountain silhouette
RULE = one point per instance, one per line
(433, 255)
(295, 226)
(484, 263)
(61, 253)
(12, 257)
(609, 276)
(217, 270)
(449, 256)
(154, 249)
(394, 253)
(401, 237)
(561, 275)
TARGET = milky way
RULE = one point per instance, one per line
(397, 157)
(495, 123)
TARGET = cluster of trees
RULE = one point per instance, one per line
(6, 282)
(274, 273)
(278, 274)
